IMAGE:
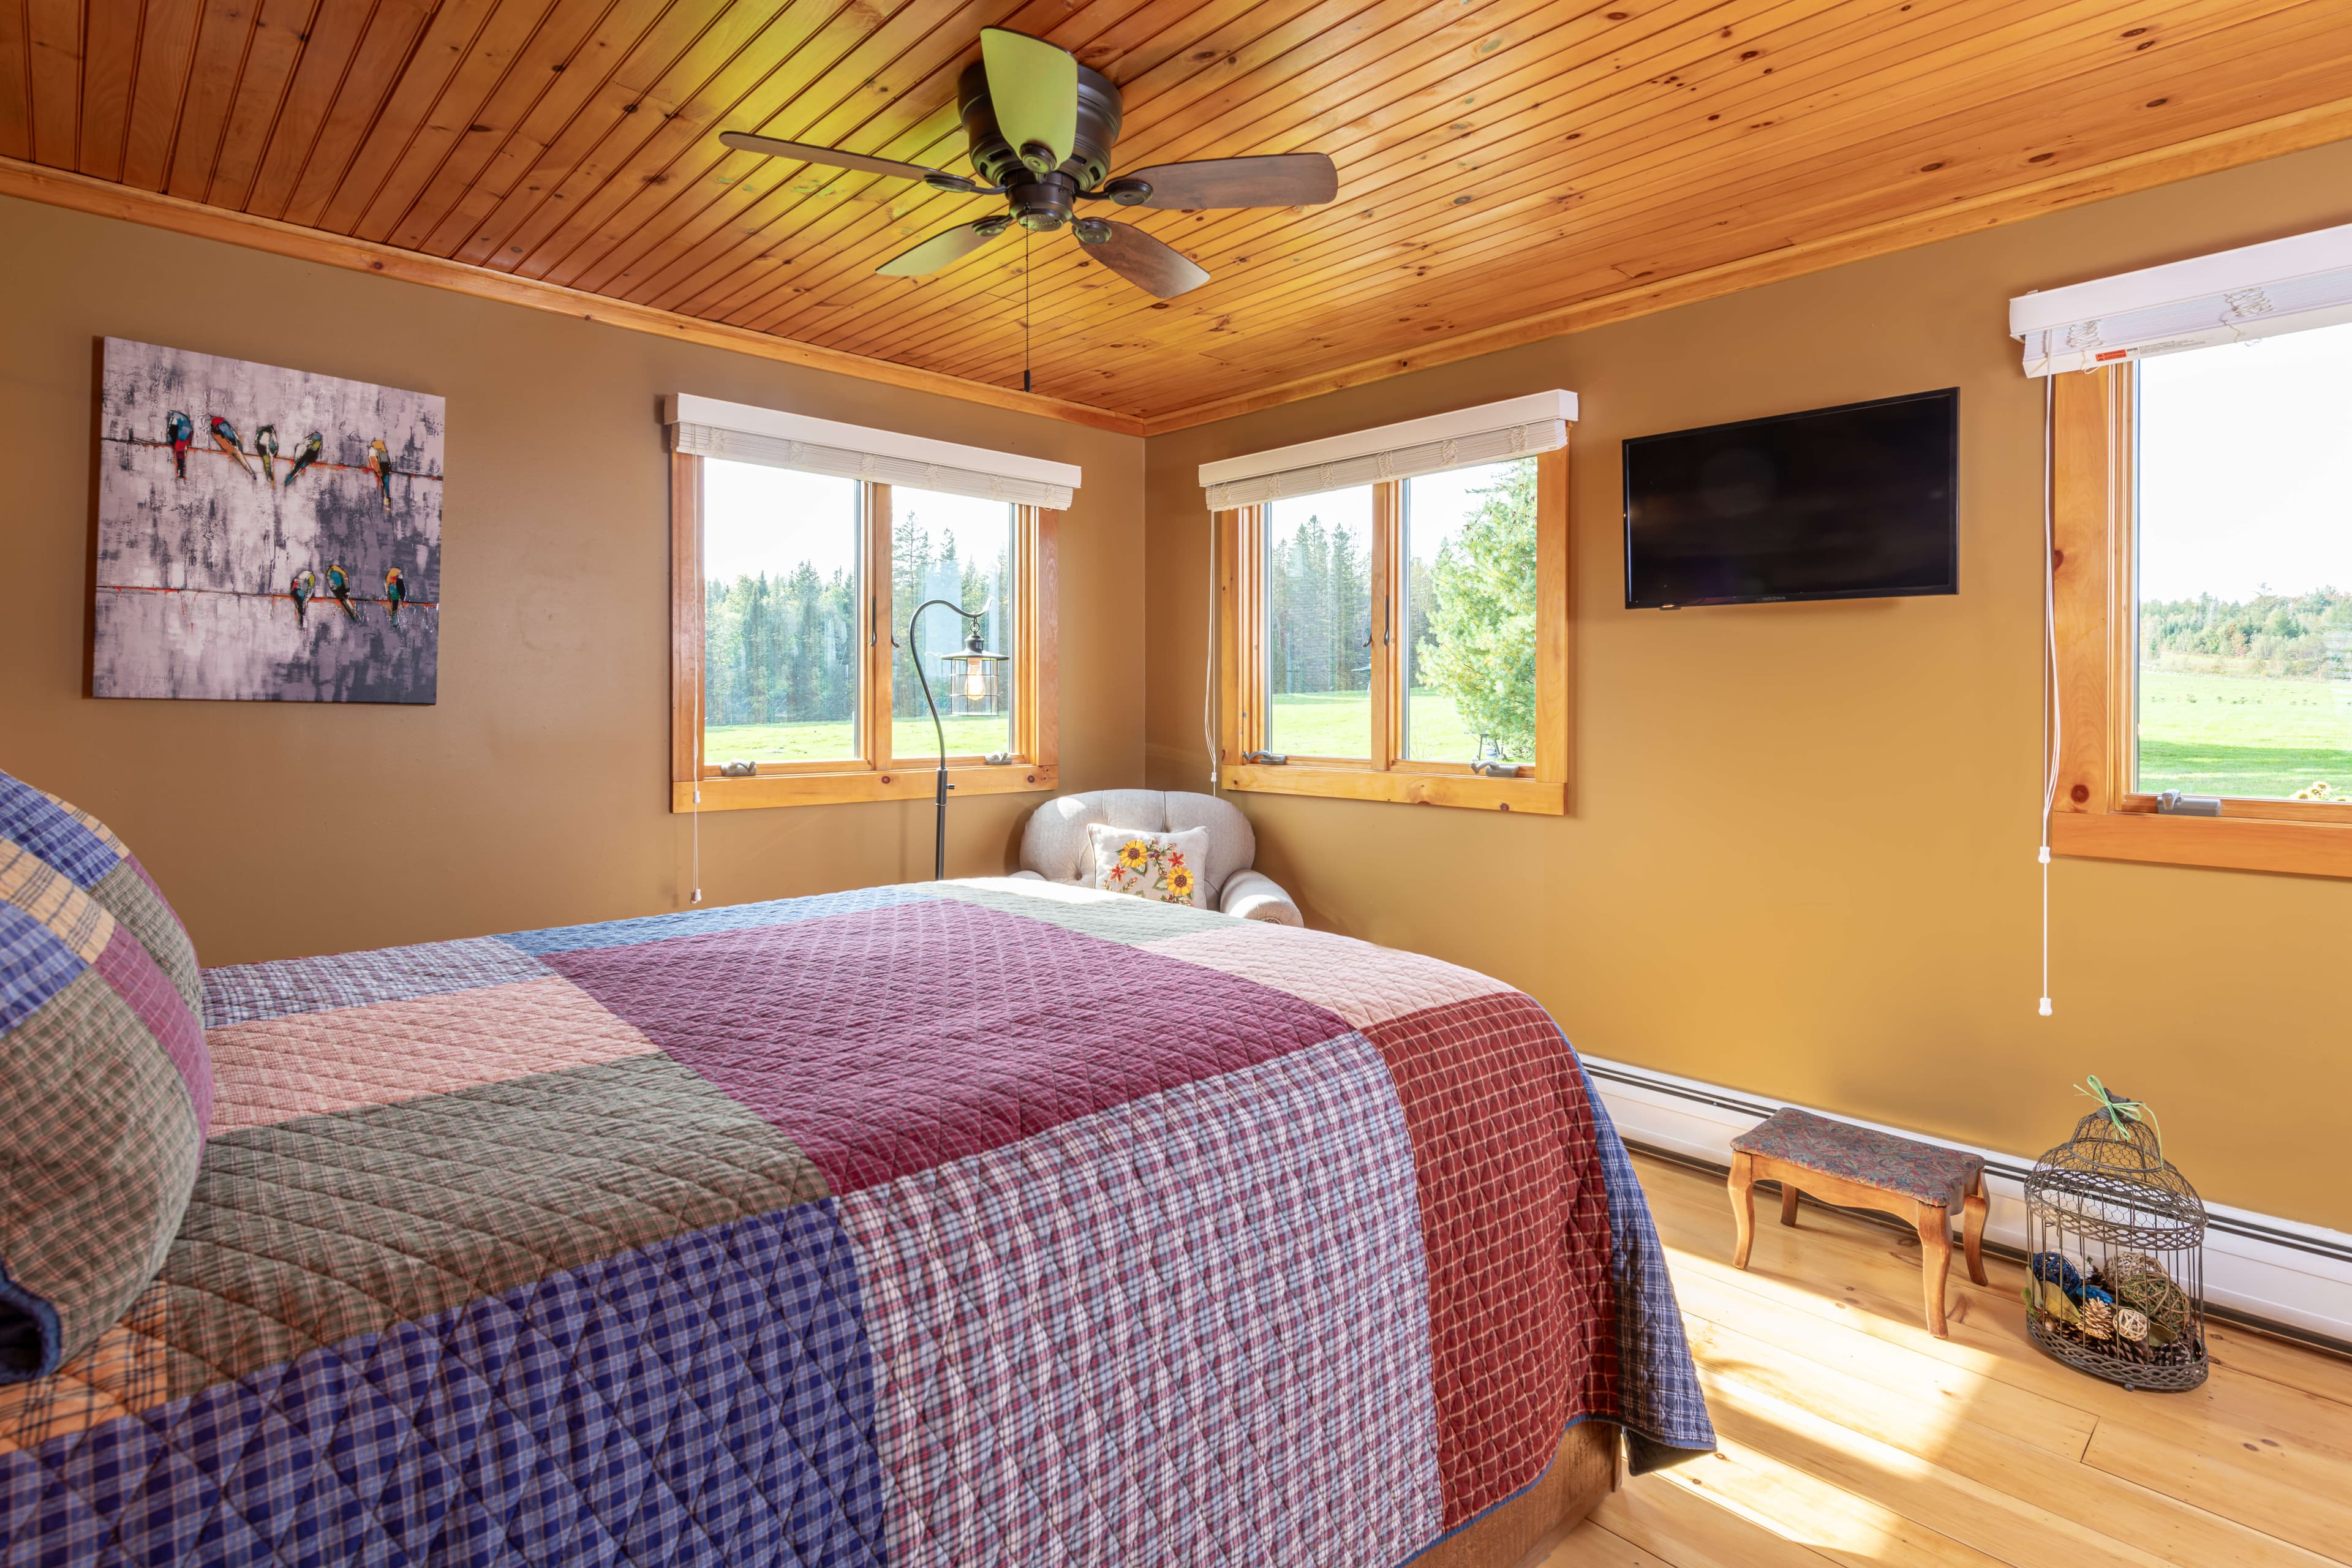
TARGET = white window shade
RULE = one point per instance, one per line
(740, 433)
(1465, 439)
(2256, 291)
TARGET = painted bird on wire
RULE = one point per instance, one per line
(265, 441)
(310, 453)
(380, 461)
(338, 583)
(182, 430)
(225, 438)
(299, 589)
(396, 592)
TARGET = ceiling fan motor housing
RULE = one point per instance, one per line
(1041, 201)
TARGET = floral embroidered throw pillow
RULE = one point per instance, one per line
(1164, 867)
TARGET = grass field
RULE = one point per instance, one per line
(2236, 735)
(826, 742)
(1339, 724)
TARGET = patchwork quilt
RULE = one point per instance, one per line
(988, 1222)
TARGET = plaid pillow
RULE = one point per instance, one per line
(97, 862)
(108, 1087)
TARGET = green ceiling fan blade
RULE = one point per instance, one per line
(944, 248)
(1034, 87)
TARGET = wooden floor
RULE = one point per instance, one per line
(1850, 1435)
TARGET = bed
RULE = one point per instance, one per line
(980, 1222)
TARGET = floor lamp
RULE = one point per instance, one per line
(976, 655)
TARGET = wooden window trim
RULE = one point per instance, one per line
(1541, 787)
(2097, 814)
(877, 774)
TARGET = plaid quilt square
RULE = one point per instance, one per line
(1189, 1329)
(707, 1400)
(710, 921)
(891, 1039)
(1522, 1311)
(241, 993)
(313, 1064)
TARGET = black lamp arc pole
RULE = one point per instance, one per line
(915, 657)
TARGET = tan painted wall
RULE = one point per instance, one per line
(1801, 856)
(535, 793)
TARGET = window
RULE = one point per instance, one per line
(2245, 587)
(1402, 640)
(793, 593)
(961, 550)
(1317, 561)
(2204, 604)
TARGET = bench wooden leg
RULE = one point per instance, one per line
(1972, 1221)
(1934, 1227)
(1788, 1200)
(1743, 1204)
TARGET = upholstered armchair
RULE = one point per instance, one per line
(1055, 848)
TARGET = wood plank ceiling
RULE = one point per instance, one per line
(1498, 159)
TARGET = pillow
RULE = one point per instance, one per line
(108, 1085)
(1157, 865)
(96, 861)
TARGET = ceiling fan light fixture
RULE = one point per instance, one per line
(1041, 222)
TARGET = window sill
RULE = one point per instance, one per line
(2226, 842)
(1539, 798)
(908, 781)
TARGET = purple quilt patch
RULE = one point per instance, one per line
(890, 1040)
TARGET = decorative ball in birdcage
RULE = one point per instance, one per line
(2115, 1240)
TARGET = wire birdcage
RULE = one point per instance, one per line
(2117, 1239)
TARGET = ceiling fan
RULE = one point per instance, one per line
(1041, 127)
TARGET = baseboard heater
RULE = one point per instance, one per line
(2276, 1276)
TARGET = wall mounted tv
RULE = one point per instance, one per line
(1857, 503)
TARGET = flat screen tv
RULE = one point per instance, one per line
(1855, 502)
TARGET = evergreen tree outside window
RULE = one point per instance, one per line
(959, 548)
(1405, 640)
(790, 593)
(1318, 699)
(1469, 614)
(780, 590)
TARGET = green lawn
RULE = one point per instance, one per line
(824, 743)
(1339, 724)
(2239, 735)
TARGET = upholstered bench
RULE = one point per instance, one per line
(1857, 1167)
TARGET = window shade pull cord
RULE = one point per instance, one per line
(2050, 717)
(1208, 666)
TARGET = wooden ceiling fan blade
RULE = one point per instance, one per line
(944, 249)
(744, 142)
(1033, 90)
(1280, 180)
(1148, 263)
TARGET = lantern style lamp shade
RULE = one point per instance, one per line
(975, 677)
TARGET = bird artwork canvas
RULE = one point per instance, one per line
(216, 550)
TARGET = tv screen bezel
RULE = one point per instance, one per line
(1951, 585)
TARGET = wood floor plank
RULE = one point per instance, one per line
(1916, 1380)
(1683, 1521)
(1850, 1432)
(2294, 1494)
(1965, 1479)
(1590, 1546)
(1842, 1268)
(1980, 1518)
(1843, 1526)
